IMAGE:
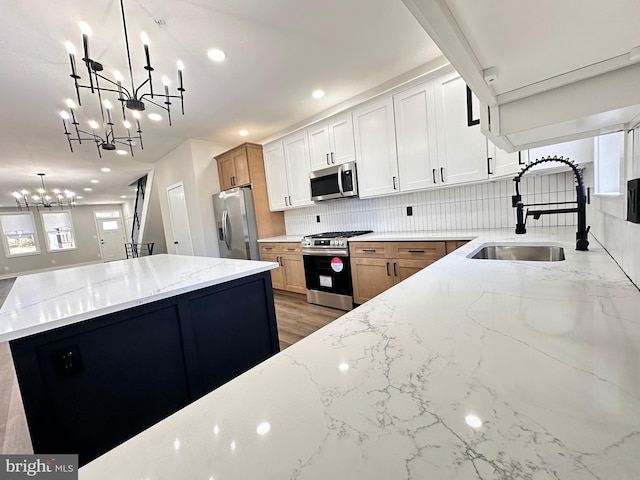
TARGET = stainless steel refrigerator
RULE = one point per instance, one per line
(236, 224)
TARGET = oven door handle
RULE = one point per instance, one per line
(340, 172)
(325, 253)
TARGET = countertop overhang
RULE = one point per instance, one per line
(468, 369)
(43, 301)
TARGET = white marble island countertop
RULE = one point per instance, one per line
(470, 369)
(43, 301)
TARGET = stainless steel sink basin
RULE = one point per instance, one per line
(516, 251)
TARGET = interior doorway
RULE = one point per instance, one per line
(111, 235)
(179, 220)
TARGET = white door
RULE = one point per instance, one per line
(179, 220)
(462, 150)
(296, 156)
(416, 136)
(341, 139)
(375, 139)
(505, 164)
(276, 173)
(319, 146)
(111, 238)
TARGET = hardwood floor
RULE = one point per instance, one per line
(14, 434)
(296, 318)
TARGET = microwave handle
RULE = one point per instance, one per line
(340, 171)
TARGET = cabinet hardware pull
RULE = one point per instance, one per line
(416, 251)
(268, 248)
(394, 183)
(520, 162)
(291, 249)
(388, 274)
(489, 166)
(285, 201)
(332, 160)
(290, 203)
(368, 249)
(442, 174)
(434, 175)
(328, 159)
(395, 272)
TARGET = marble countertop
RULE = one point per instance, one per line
(415, 236)
(43, 301)
(470, 369)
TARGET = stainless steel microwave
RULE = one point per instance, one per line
(339, 181)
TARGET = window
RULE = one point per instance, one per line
(107, 214)
(19, 234)
(609, 159)
(58, 230)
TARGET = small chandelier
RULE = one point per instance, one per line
(103, 135)
(60, 199)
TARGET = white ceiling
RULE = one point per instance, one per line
(278, 52)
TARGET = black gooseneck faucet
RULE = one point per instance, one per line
(582, 242)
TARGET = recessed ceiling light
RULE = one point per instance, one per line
(95, 181)
(106, 169)
(243, 133)
(156, 117)
(88, 189)
(317, 94)
(121, 152)
(216, 55)
(79, 197)
(123, 196)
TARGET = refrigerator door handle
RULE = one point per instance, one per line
(225, 230)
(229, 232)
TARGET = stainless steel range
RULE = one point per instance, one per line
(327, 268)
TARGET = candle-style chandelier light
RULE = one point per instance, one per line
(45, 199)
(134, 99)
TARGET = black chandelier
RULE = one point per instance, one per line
(103, 135)
(60, 199)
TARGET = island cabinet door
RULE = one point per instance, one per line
(89, 386)
(370, 277)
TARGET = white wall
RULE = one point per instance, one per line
(607, 216)
(191, 163)
(86, 235)
(478, 206)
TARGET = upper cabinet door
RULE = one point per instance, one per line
(375, 141)
(340, 130)
(241, 168)
(276, 173)
(416, 137)
(296, 155)
(462, 149)
(502, 164)
(331, 142)
(319, 146)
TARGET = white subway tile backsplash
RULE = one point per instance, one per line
(479, 206)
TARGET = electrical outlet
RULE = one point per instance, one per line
(409, 211)
(67, 361)
(318, 218)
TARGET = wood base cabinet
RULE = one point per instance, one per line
(377, 266)
(290, 275)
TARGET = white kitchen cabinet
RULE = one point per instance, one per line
(503, 164)
(296, 156)
(375, 142)
(415, 122)
(462, 149)
(276, 173)
(331, 142)
(286, 165)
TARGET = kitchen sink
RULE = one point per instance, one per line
(520, 252)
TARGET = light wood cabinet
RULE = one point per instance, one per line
(245, 165)
(377, 266)
(233, 168)
(289, 275)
